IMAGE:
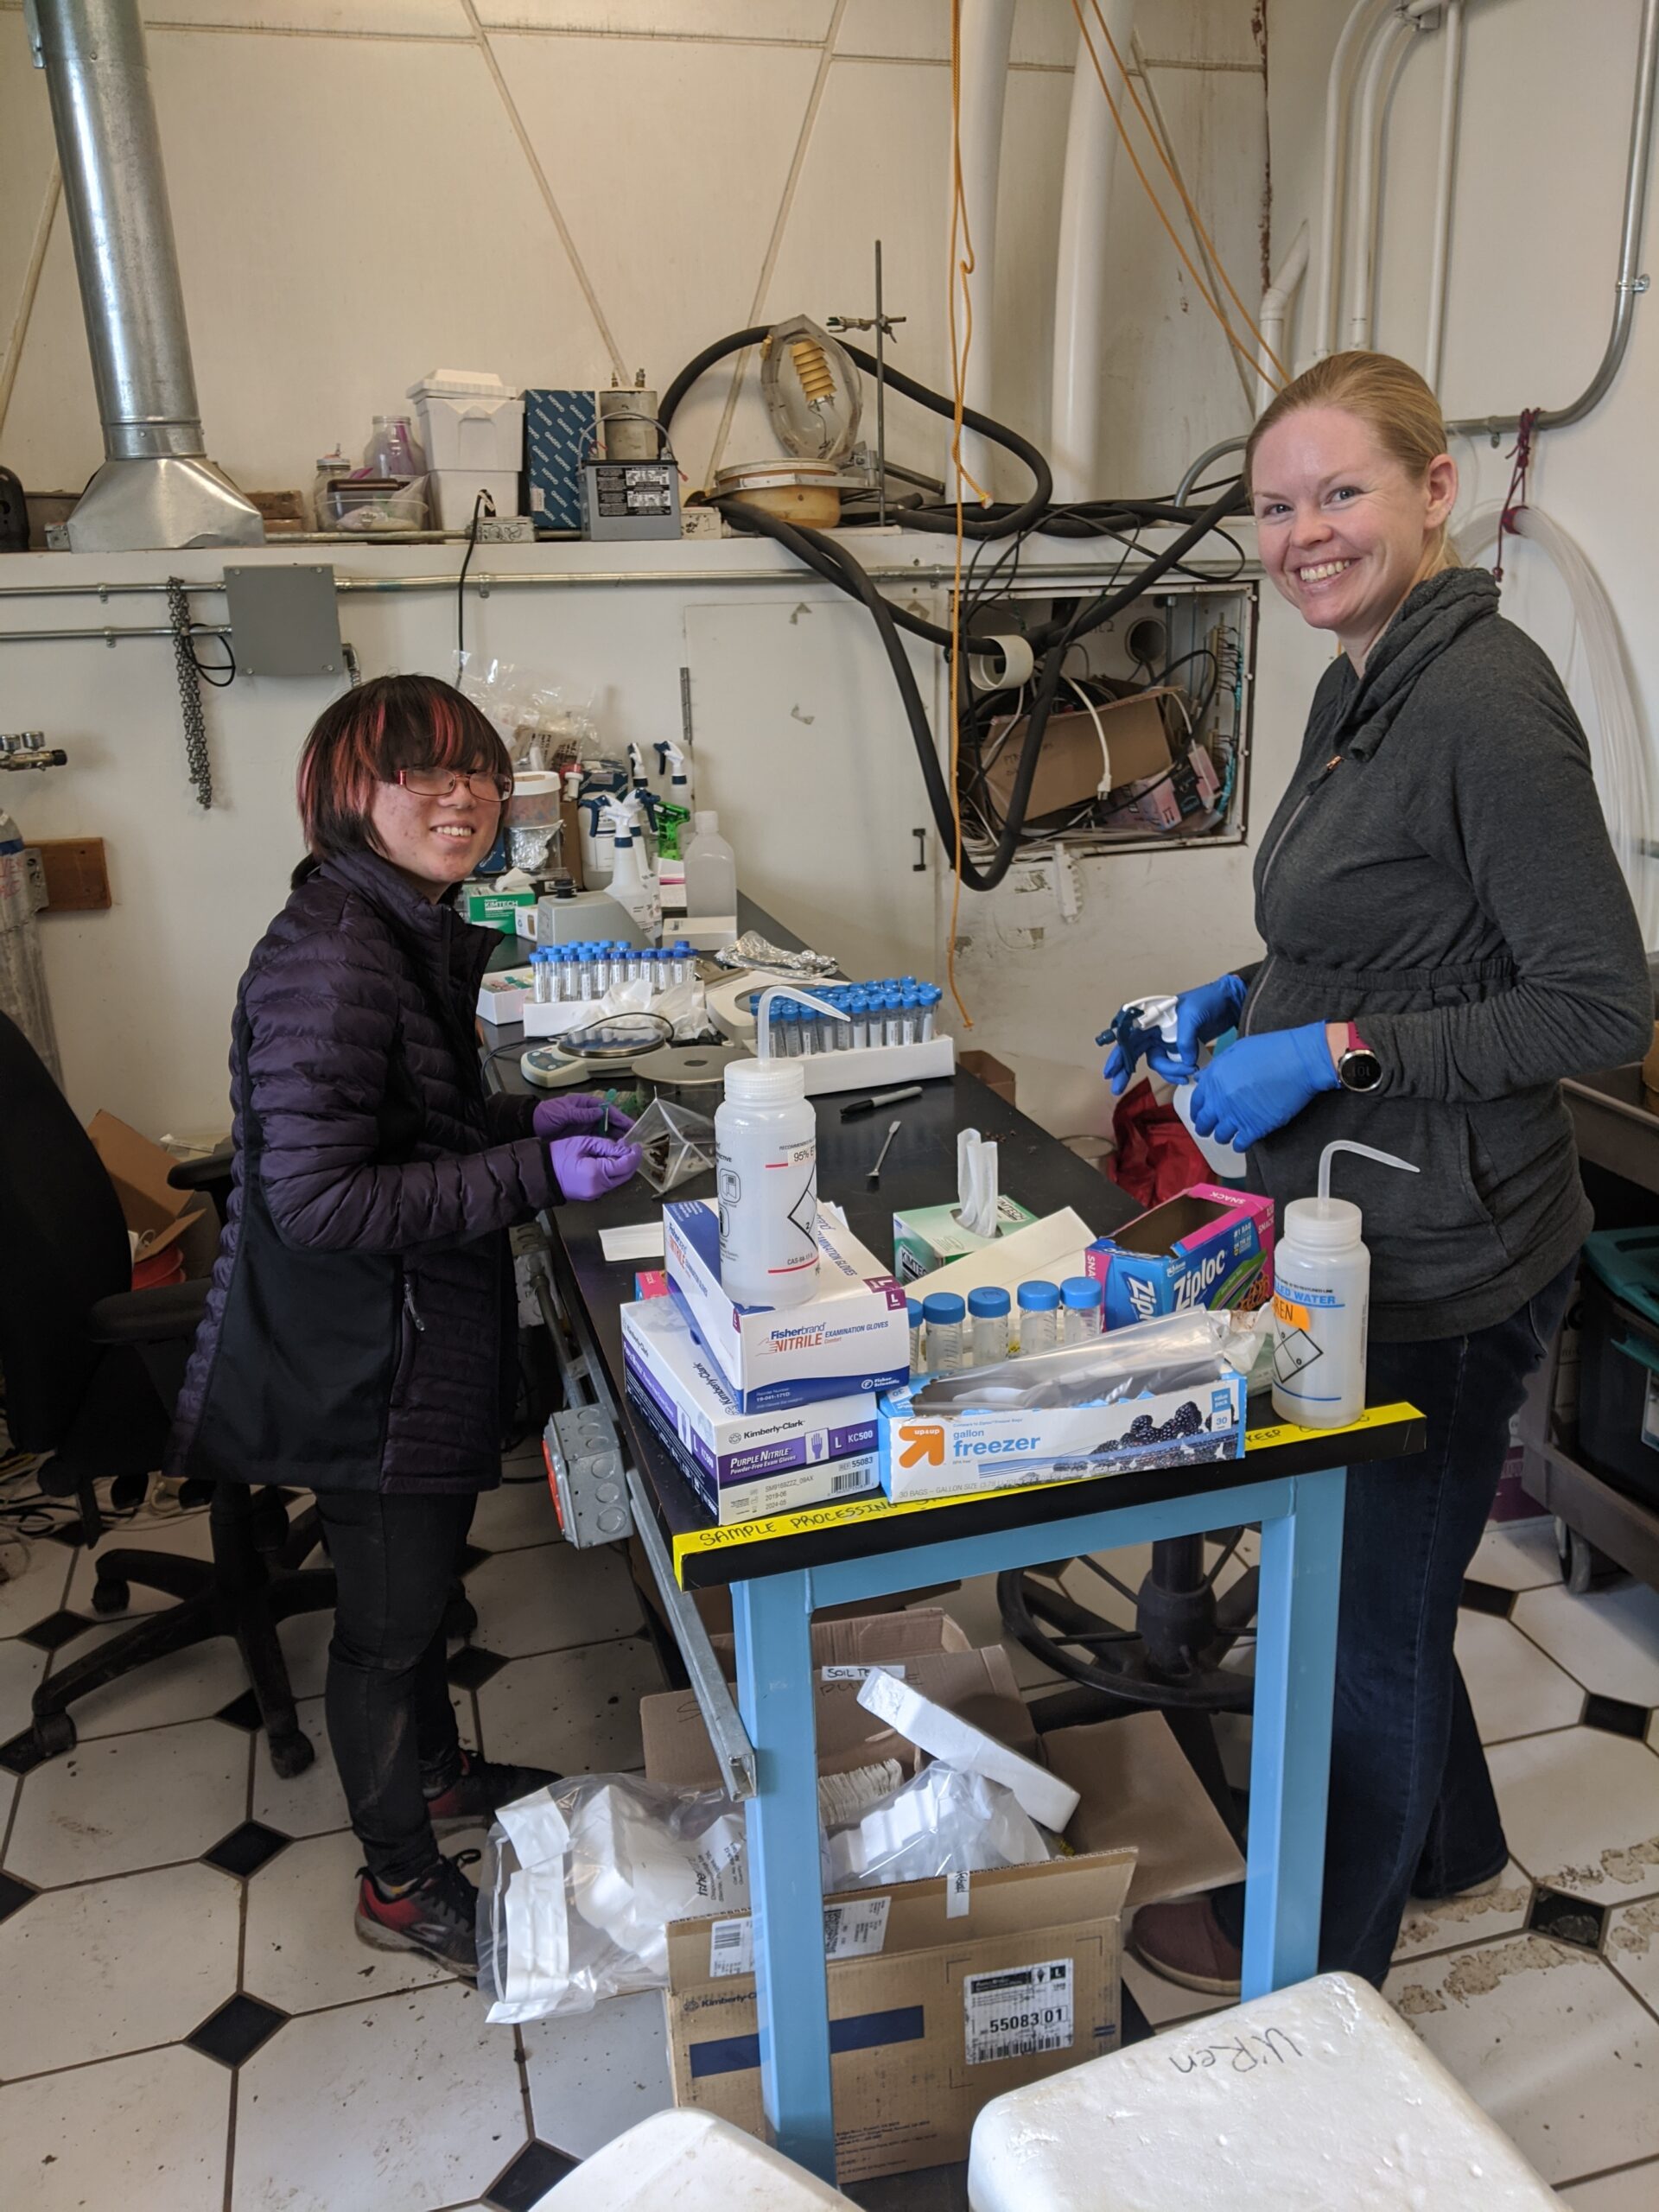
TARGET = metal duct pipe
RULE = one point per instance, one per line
(156, 488)
(1080, 296)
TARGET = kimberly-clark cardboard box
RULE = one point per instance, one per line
(916, 1994)
(742, 1466)
(950, 1451)
(852, 1336)
(1208, 1247)
(932, 1236)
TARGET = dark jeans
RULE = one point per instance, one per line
(390, 1719)
(1412, 1809)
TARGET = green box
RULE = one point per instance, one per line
(496, 909)
(931, 1236)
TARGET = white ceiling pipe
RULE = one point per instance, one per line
(1376, 83)
(1362, 17)
(1080, 275)
(1446, 179)
(1276, 309)
(987, 36)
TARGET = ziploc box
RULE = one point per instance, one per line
(1210, 1246)
(742, 1466)
(949, 1452)
(853, 1336)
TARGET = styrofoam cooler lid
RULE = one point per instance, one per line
(462, 384)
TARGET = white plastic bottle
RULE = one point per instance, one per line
(1321, 1304)
(710, 870)
(767, 1173)
(632, 884)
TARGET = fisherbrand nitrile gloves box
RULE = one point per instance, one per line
(854, 1335)
(1208, 1247)
(742, 1466)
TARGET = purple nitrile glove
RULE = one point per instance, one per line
(588, 1166)
(575, 1109)
(1261, 1083)
(1201, 1015)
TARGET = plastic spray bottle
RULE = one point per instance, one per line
(1321, 1304)
(632, 884)
(675, 811)
(766, 1175)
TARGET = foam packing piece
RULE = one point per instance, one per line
(689, 2162)
(1315, 2098)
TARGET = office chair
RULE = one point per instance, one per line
(91, 1368)
(1172, 1660)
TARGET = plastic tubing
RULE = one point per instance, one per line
(1618, 748)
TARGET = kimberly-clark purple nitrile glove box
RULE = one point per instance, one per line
(743, 1467)
(854, 1335)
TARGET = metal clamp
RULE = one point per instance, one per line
(733, 1753)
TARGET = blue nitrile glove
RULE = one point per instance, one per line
(1261, 1083)
(573, 1110)
(1201, 1016)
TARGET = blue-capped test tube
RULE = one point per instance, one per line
(539, 980)
(685, 961)
(909, 1014)
(931, 996)
(892, 1009)
(587, 984)
(858, 1008)
(569, 986)
(791, 1020)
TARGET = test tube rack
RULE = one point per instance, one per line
(876, 1067)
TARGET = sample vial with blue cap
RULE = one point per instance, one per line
(942, 1312)
(569, 985)
(1039, 1303)
(988, 1311)
(1080, 1295)
(930, 995)
(914, 1313)
(684, 961)
(858, 1008)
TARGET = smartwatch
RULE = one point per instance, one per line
(1358, 1067)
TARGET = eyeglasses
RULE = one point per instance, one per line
(440, 783)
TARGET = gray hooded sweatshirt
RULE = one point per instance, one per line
(1439, 873)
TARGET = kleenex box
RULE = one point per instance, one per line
(852, 1336)
(931, 1236)
(743, 1467)
(1211, 1246)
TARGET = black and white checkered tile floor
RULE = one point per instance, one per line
(189, 2024)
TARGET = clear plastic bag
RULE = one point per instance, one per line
(1178, 1352)
(582, 1880)
(941, 1821)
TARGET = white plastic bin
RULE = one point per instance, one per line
(1319, 2096)
(469, 419)
(451, 494)
(689, 2162)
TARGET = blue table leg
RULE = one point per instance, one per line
(774, 1695)
(1290, 1762)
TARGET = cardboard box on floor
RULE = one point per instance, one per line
(915, 2024)
(150, 1205)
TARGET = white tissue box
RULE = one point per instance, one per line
(930, 1236)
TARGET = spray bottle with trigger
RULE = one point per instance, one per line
(1321, 1304)
(632, 885)
(675, 811)
(766, 1172)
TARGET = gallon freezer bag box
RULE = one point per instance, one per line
(743, 1467)
(1208, 1247)
(1166, 1394)
(854, 1335)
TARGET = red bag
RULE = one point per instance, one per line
(1155, 1157)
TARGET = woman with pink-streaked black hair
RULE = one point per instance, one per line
(359, 1337)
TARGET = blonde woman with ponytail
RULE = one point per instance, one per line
(1447, 935)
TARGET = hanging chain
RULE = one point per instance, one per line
(197, 764)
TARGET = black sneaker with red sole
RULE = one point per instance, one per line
(438, 1914)
(479, 1790)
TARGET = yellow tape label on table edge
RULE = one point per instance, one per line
(813, 1520)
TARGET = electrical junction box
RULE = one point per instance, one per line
(284, 622)
(584, 1465)
(631, 499)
